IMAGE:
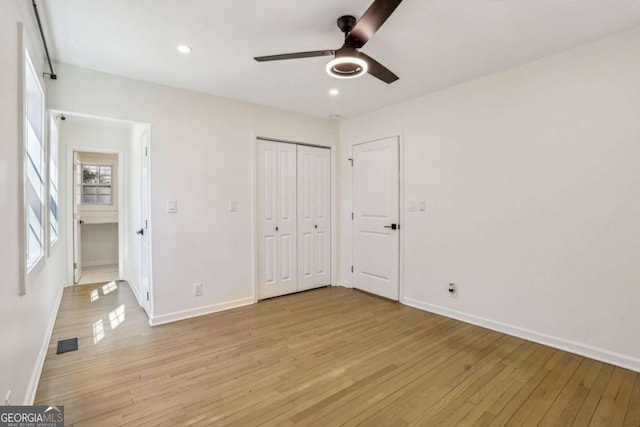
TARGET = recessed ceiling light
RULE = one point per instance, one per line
(335, 116)
(334, 92)
(183, 48)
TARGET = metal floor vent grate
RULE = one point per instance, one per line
(65, 346)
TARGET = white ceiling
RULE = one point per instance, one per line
(430, 44)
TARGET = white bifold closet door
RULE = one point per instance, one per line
(277, 222)
(294, 218)
(314, 217)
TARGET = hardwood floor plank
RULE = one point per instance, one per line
(632, 418)
(331, 356)
(612, 407)
(568, 403)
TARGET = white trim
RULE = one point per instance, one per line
(199, 311)
(99, 263)
(602, 355)
(343, 283)
(22, 221)
(254, 215)
(135, 291)
(30, 395)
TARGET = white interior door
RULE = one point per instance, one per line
(376, 212)
(77, 221)
(314, 217)
(276, 207)
(145, 267)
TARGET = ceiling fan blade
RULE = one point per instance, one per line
(371, 21)
(296, 55)
(378, 70)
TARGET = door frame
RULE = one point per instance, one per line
(69, 202)
(149, 226)
(401, 206)
(254, 205)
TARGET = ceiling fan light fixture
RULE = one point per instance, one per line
(347, 67)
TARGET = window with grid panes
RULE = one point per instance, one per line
(97, 184)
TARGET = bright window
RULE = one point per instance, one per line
(96, 184)
(53, 182)
(34, 165)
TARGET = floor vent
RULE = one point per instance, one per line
(65, 346)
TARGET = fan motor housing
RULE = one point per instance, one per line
(346, 23)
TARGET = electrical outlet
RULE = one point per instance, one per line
(233, 206)
(197, 289)
(7, 399)
(453, 291)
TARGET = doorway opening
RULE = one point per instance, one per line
(107, 192)
(96, 217)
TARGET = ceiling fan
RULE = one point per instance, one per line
(348, 61)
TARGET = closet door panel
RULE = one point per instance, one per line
(286, 233)
(322, 172)
(314, 222)
(267, 184)
(306, 217)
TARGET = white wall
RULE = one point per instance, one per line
(201, 155)
(99, 244)
(531, 181)
(25, 321)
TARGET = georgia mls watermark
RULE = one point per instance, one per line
(31, 416)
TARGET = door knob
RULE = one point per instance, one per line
(81, 222)
(140, 232)
(316, 226)
(276, 228)
(392, 226)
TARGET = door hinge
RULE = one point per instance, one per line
(147, 296)
(75, 265)
(351, 215)
(146, 223)
(352, 268)
(146, 151)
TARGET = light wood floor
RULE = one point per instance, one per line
(327, 357)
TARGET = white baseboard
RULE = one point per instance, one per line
(99, 263)
(343, 283)
(30, 395)
(605, 356)
(198, 311)
(135, 291)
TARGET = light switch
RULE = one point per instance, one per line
(423, 205)
(172, 206)
(412, 206)
(233, 206)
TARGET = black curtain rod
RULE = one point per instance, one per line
(52, 74)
